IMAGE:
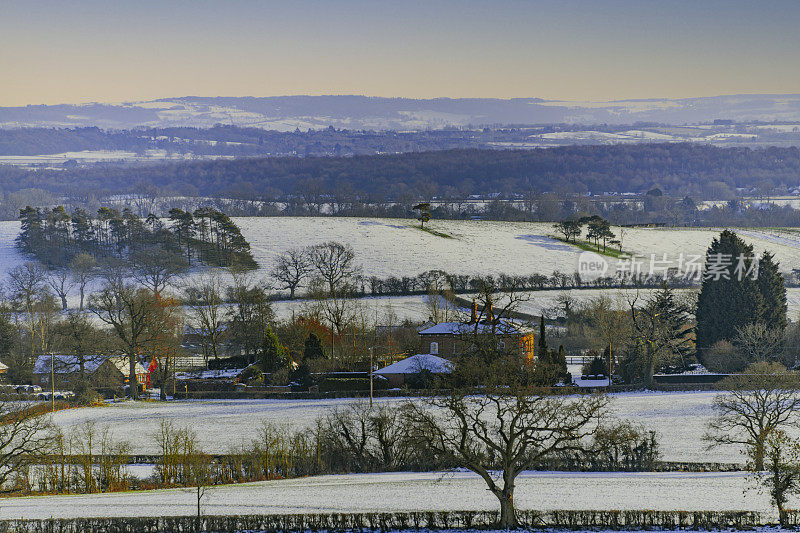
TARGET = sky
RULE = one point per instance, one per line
(67, 51)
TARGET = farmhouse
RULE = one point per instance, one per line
(448, 339)
(102, 371)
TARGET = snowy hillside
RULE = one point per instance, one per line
(286, 113)
(397, 247)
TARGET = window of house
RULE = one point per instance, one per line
(434, 348)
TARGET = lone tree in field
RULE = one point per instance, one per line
(60, 281)
(504, 430)
(424, 210)
(760, 401)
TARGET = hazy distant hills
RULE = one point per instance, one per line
(286, 113)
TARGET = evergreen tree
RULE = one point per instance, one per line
(302, 376)
(313, 348)
(561, 358)
(773, 293)
(729, 296)
(673, 320)
(273, 354)
(543, 352)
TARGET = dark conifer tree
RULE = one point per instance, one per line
(543, 353)
(273, 355)
(773, 293)
(561, 359)
(313, 348)
(729, 296)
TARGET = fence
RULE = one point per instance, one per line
(340, 522)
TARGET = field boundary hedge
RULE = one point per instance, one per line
(434, 520)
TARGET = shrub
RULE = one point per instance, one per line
(596, 367)
(723, 357)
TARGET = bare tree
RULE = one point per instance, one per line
(658, 330)
(761, 400)
(333, 262)
(757, 342)
(24, 433)
(204, 297)
(83, 267)
(155, 267)
(60, 281)
(249, 314)
(291, 269)
(34, 303)
(77, 336)
(125, 308)
(361, 438)
(440, 299)
(501, 433)
(783, 471)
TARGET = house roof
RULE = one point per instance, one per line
(502, 327)
(416, 363)
(69, 364)
(3, 367)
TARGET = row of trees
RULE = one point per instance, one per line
(297, 268)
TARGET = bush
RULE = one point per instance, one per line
(596, 367)
(251, 373)
(723, 357)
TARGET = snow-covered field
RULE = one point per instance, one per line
(394, 247)
(96, 156)
(415, 308)
(678, 418)
(397, 247)
(405, 491)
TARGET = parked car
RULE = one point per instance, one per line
(59, 395)
(30, 389)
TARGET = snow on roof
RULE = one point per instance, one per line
(68, 364)
(3, 367)
(503, 327)
(416, 363)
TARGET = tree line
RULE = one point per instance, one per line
(678, 169)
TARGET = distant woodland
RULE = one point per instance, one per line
(677, 169)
